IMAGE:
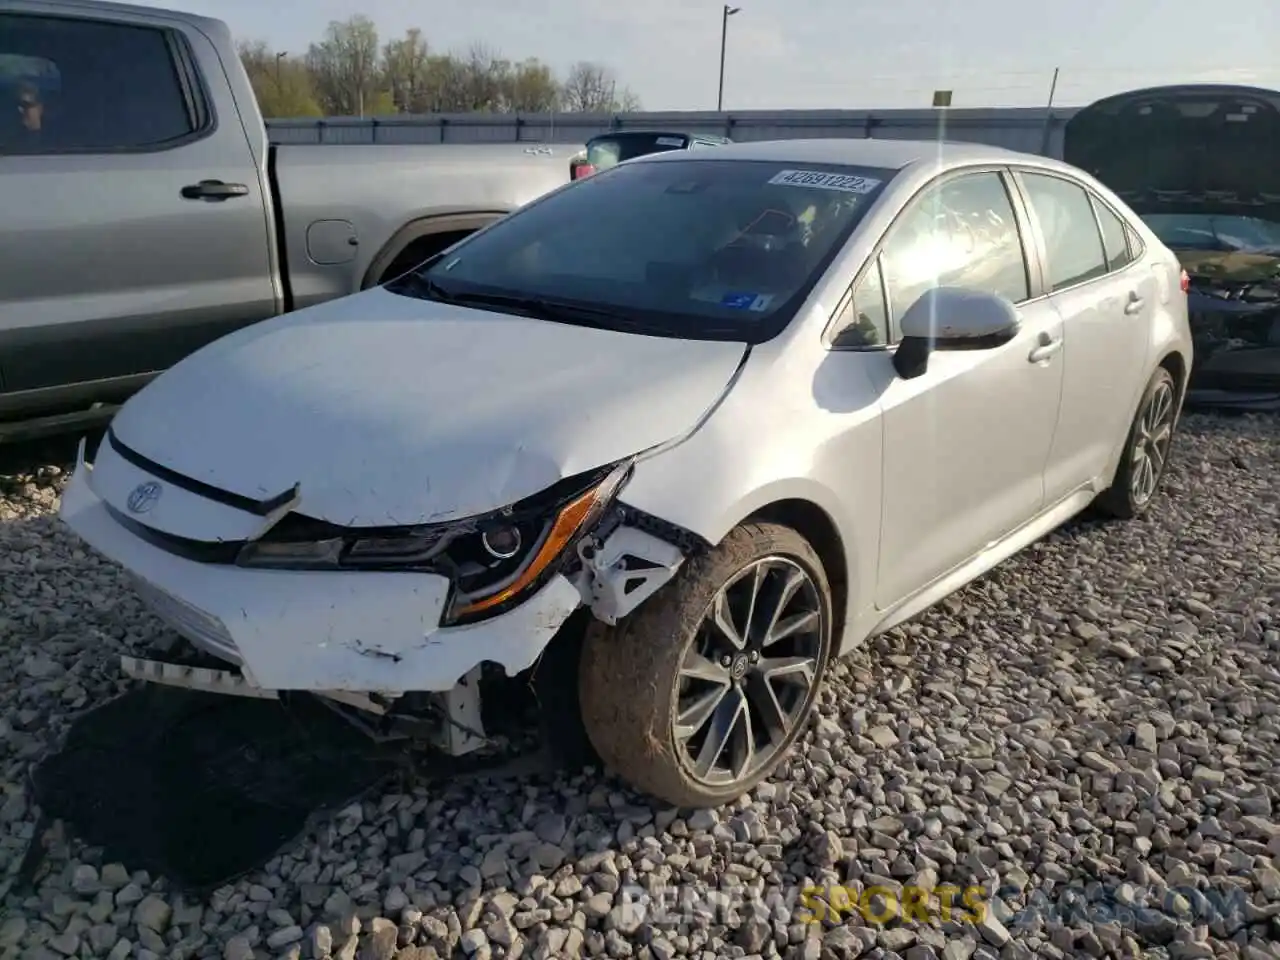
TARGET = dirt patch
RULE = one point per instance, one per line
(202, 788)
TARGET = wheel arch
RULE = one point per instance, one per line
(1178, 368)
(816, 525)
(426, 233)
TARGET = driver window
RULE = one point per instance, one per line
(962, 233)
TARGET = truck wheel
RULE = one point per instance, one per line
(1146, 452)
(698, 695)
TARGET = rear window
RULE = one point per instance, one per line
(610, 151)
(697, 244)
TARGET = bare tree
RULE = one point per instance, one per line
(588, 88)
(346, 68)
(628, 101)
(593, 88)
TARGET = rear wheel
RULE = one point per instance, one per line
(1146, 451)
(699, 695)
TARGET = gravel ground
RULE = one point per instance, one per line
(1092, 734)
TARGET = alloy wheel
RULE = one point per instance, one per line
(1152, 442)
(748, 677)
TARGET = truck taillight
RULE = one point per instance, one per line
(583, 170)
(1186, 282)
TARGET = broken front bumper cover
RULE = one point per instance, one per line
(361, 638)
(319, 630)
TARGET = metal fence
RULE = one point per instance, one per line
(1032, 130)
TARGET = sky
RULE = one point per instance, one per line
(825, 54)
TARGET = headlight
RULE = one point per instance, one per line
(491, 560)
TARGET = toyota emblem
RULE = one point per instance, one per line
(143, 497)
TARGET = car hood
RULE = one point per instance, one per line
(1199, 148)
(385, 409)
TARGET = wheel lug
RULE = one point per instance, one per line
(755, 656)
(726, 661)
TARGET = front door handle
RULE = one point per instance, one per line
(214, 191)
(1134, 305)
(1045, 349)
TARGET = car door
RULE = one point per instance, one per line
(1106, 302)
(965, 445)
(114, 260)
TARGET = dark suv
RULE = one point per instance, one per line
(609, 149)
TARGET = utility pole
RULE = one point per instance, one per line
(1046, 135)
(728, 12)
(279, 56)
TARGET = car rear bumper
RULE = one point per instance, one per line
(318, 631)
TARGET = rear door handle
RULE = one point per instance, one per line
(1046, 348)
(214, 191)
(1134, 305)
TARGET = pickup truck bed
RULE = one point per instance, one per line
(147, 214)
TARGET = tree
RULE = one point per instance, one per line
(593, 88)
(447, 85)
(282, 84)
(486, 76)
(347, 73)
(532, 87)
(406, 69)
(347, 70)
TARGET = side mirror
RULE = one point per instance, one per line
(952, 318)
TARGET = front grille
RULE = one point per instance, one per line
(203, 630)
(200, 551)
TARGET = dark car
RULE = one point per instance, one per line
(1201, 165)
(609, 149)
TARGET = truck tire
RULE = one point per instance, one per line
(700, 694)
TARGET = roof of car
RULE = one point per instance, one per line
(886, 154)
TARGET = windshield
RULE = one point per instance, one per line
(1203, 231)
(606, 152)
(710, 249)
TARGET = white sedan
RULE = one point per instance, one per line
(739, 409)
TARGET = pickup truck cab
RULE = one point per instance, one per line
(147, 214)
(606, 150)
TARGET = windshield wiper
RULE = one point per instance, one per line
(421, 287)
(541, 308)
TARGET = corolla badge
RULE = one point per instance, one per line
(144, 497)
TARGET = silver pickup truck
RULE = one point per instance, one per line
(144, 212)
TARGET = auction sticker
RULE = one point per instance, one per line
(669, 142)
(824, 180)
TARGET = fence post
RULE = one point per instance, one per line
(519, 127)
(444, 122)
(374, 127)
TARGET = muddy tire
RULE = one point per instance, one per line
(1146, 452)
(700, 693)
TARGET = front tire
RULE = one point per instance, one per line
(699, 695)
(1146, 452)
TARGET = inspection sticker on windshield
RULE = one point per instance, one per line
(669, 142)
(823, 180)
(757, 302)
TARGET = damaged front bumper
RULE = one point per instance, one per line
(1237, 353)
(360, 638)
